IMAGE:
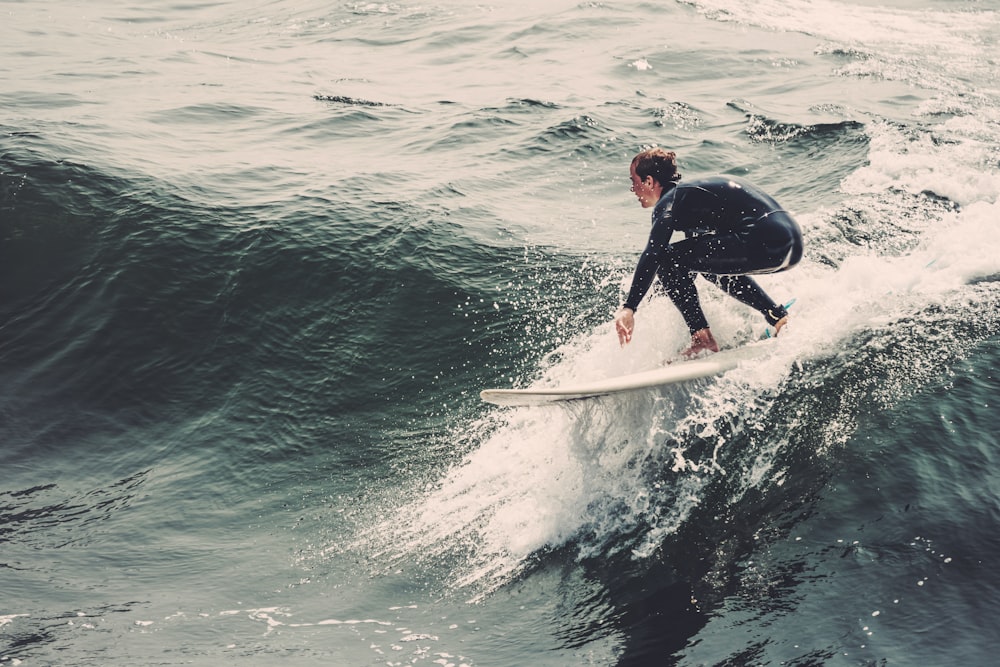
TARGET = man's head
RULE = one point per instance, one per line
(658, 163)
(651, 171)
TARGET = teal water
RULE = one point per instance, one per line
(257, 261)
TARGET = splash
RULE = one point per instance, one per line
(624, 475)
(881, 295)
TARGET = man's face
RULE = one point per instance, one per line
(647, 191)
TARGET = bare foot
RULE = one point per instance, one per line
(701, 341)
(779, 324)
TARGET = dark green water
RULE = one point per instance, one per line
(257, 261)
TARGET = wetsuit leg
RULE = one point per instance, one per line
(728, 254)
(771, 244)
(678, 283)
(744, 289)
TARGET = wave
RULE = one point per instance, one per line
(763, 129)
(693, 476)
(647, 479)
(349, 101)
(582, 136)
(124, 295)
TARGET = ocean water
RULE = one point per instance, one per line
(257, 260)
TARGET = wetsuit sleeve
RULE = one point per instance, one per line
(655, 252)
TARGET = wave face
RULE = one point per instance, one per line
(257, 261)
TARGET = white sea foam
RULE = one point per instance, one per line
(540, 478)
(546, 476)
(5, 619)
(854, 23)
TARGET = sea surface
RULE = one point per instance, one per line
(258, 258)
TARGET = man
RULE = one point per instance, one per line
(731, 229)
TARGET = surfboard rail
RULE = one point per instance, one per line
(678, 371)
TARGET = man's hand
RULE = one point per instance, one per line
(624, 323)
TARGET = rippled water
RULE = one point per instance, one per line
(257, 261)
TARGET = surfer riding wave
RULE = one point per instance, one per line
(732, 229)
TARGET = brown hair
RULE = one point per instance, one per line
(658, 163)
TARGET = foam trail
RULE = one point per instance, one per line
(621, 474)
(541, 478)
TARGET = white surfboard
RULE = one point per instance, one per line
(678, 371)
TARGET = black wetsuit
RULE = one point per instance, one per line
(732, 229)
